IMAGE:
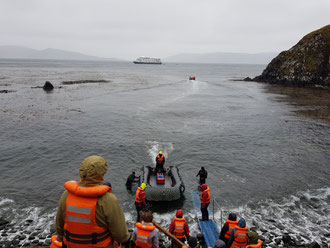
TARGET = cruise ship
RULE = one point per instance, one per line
(147, 60)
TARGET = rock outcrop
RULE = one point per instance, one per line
(305, 64)
(48, 86)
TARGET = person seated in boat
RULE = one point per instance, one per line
(160, 161)
(145, 234)
(131, 179)
(179, 228)
(202, 175)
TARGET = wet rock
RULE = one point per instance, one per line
(248, 79)
(305, 64)
(3, 222)
(48, 86)
(5, 244)
(15, 242)
(314, 245)
(286, 238)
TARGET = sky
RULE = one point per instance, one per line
(127, 29)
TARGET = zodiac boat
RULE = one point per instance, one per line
(167, 186)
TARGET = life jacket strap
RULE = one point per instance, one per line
(86, 238)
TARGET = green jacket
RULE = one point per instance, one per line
(108, 213)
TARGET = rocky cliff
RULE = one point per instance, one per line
(305, 64)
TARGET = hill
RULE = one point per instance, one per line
(17, 52)
(305, 64)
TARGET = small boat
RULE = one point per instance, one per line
(167, 186)
(192, 78)
(147, 60)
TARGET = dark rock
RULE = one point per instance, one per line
(29, 221)
(3, 222)
(314, 245)
(4, 234)
(48, 86)
(6, 244)
(305, 64)
(286, 238)
(15, 242)
(248, 79)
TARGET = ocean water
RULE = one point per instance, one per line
(265, 162)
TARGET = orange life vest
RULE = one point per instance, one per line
(240, 238)
(55, 243)
(256, 245)
(231, 225)
(80, 227)
(142, 235)
(207, 200)
(179, 227)
(137, 195)
(160, 159)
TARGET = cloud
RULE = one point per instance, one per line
(129, 28)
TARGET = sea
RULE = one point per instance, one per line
(265, 162)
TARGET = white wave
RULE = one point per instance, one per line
(155, 146)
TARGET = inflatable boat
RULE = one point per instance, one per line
(167, 186)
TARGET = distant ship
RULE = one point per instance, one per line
(147, 60)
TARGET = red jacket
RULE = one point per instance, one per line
(186, 228)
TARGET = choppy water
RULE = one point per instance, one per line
(264, 162)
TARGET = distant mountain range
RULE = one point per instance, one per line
(17, 52)
(227, 58)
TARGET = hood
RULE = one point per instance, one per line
(232, 217)
(92, 170)
(241, 223)
(219, 244)
(253, 237)
(179, 213)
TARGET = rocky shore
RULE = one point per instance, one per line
(34, 237)
(305, 64)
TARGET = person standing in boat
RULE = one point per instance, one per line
(202, 176)
(160, 161)
(205, 201)
(87, 212)
(140, 200)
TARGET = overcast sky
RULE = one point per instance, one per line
(160, 28)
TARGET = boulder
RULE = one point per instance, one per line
(48, 86)
(305, 64)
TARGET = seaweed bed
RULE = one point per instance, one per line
(85, 81)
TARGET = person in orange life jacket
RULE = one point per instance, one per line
(202, 175)
(205, 201)
(140, 200)
(238, 237)
(179, 227)
(88, 205)
(228, 227)
(145, 235)
(160, 161)
(253, 240)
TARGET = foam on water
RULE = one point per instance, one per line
(305, 216)
(155, 146)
